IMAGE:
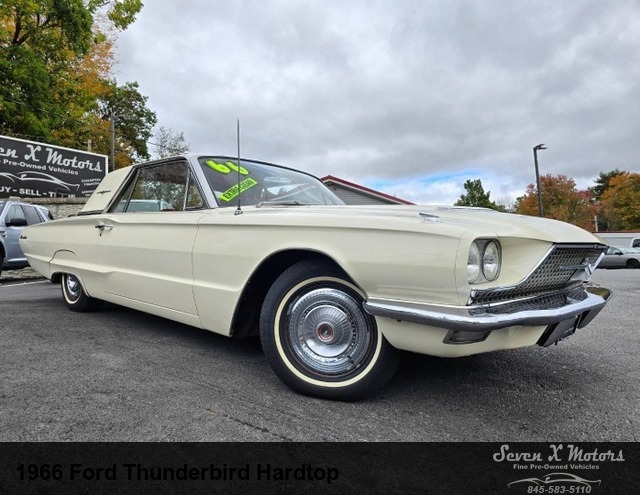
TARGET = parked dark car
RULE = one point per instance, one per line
(14, 217)
(620, 258)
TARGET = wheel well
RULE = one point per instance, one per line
(246, 317)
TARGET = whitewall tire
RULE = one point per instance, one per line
(75, 296)
(317, 337)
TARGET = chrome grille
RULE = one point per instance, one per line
(547, 301)
(555, 272)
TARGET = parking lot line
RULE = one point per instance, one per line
(13, 283)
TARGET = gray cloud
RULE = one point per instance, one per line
(372, 90)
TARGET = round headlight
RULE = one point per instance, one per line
(473, 263)
(491, 261)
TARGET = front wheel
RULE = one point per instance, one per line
(632, 263)
(74, 295)
(317, 337)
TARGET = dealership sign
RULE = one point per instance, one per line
(38, 170)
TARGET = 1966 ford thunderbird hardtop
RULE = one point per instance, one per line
(245, 247)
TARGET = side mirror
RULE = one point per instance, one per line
(17, 222)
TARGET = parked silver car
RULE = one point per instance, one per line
(14, 217)
(620, 258)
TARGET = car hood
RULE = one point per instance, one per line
(449, 220)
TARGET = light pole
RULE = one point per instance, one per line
(535, 161)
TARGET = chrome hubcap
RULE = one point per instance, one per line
(73, 287)
(328, 331)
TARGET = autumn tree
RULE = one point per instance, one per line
(603, 184)
(476, 196)
(561, 201)
(55, 65)
(37, 41)
(621, 201)
(88, 80)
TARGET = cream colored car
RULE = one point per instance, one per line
(243, 248)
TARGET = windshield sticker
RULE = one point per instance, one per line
(233, 192)
(227, 167)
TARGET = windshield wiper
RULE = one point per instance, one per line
(279, 203)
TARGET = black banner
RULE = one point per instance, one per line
(420, 468)
(37, 170)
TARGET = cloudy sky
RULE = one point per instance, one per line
(411, 97)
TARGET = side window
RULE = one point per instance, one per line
(194, 198)
(167, 187)
(32, 215)
(15, 212)
(636, 243)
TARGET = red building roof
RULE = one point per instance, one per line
(330, 179)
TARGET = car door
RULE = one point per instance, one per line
(15, 221)
(18, 217)
(618, 260)
(144, 244)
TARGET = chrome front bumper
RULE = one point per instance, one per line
(577, 307)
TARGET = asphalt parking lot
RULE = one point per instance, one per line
(121, 375)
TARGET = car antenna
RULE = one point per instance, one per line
(238, 210)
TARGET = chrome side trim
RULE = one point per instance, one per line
(476, 318)
(429, 217)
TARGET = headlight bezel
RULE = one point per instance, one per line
(489, 264)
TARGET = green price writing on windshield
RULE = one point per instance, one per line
(227, 167)
(234, 191)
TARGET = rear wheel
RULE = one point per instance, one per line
(633, 263)
(74, 295)
(317, 337)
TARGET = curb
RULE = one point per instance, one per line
(25, 274)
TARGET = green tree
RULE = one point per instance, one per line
(603, 182)
(121, 13)
(169, 143)
(55, 61)
(134, 122)
(38, 38)
(476, 196)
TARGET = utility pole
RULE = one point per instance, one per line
(112, 133)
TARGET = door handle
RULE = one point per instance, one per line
(104, 226)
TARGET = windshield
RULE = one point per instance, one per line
(2, 203)
(263, 183)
